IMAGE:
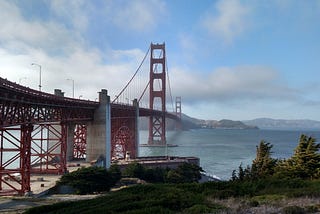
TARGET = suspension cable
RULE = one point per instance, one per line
(132, 76)
(144, 91)
(170, 92)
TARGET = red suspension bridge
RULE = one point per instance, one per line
(40, 132)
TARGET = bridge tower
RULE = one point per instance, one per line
(178, 113)
(178, 107)
(157, 124)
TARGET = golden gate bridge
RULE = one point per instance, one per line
(40, 132)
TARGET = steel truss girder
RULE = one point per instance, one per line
(49, 147)
(15, 160)
(21, 105)
(16, 113)
(80, 141)
(123, 136)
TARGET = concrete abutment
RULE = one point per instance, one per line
(98, 131)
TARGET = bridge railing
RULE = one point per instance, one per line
(7, 86)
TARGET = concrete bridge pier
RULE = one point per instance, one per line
(70, 141)
(98, 132)
(136, 105)
(69, 133)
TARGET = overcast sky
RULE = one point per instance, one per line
(227, 58)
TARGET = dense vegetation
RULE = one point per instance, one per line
(191, 197)
(266, 182)
(185, 173)
(91, 179)
(304, 164)
(97, 179)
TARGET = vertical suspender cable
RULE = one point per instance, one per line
(132, 77)
(170, 92)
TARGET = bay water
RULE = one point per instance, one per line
(220, 150)
(223, 150)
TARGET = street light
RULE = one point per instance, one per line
(72, 87)
(40, 74)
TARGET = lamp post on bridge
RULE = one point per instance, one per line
(72, 87)
(39, 74)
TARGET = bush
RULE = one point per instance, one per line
(134, 170)
(185, 173)
(293, 210)
(91, 179)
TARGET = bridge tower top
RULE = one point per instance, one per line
(157, 129)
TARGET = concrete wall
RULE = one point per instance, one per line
(70, 141)
(98, 131)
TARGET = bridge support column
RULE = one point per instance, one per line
(49, 148)
(15, 160)
(70, 140)
(99, 132)
(124, 132)
(136, 104)
(157, 124)
(178, 113)
(80, 141)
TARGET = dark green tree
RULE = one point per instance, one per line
(115, 174)
(185, 173)
(305, 163)
(89, 180)
(135, 170)
(263, 165)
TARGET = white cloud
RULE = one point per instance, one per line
(74, 11)
(230, 22)
(38, 41)
(17, 34)
(139, 15)
(86, 68)
(232, 84)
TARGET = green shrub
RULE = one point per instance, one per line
(293, 210)
(253, 203)
(134, 170)
(185, 173)
(91, 179)
(200, 208)
(312, 209)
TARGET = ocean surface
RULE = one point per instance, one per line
(223, 150)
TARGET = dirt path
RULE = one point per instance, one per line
(20, 204)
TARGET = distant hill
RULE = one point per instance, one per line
(194, 123)
(280, 124)
(221, 124)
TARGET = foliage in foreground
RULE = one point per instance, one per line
(304, 164)
(188, 197)
(261, 183)
(185, 173)
(91, 179)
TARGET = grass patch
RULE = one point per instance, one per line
(190, 198)
(268, 199)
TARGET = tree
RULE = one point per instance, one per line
(305, 163)
(263, 165)
(134, 170)
(185, 173)
(89, 180)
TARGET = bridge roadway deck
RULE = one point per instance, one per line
(21, 105)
